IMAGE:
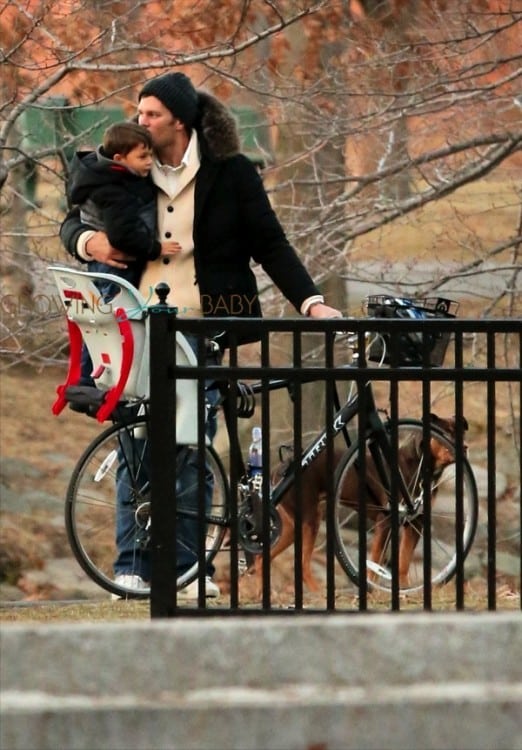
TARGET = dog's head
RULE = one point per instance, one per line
(442, 455)
(449, 424)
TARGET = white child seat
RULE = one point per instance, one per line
(116, 335)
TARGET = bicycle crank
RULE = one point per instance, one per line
(251, 524)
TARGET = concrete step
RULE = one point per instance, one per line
(294, 717)
(405, 680)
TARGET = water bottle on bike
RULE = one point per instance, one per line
(255, 453)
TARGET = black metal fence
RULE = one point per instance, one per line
(479, 381)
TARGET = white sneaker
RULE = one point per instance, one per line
(128, 581)
(191, 592)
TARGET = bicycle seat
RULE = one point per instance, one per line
(116, 335)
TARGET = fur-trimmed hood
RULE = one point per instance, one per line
(216, 128)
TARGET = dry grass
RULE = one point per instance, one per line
(443, 599)
(84, 612)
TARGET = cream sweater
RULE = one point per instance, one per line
(175, 223)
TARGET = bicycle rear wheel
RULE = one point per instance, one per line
(102, 528)
(411, 526)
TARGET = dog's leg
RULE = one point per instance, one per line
(310, 530)
(284, 541)
(379, 540)
(411, 533)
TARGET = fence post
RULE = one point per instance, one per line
(162, 441)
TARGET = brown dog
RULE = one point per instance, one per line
(313, 492)
(314, 489)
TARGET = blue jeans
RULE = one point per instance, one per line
(132, 558)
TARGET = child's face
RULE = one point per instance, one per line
(139, 159)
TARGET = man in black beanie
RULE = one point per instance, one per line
(177, 93)
(214, 211)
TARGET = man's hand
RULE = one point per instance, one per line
(320, 310)
(99, 248)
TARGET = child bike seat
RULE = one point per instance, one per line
(116, 334)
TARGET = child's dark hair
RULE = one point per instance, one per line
(122, 137)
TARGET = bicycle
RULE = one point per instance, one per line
(91, 508)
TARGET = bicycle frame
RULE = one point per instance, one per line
(381, 448)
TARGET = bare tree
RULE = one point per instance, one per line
(410, 135)
(394, 125)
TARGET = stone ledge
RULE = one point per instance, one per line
(209, 652)
(292, 717)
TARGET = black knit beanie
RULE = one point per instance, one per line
(177, 93)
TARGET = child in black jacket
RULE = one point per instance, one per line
(114, 193)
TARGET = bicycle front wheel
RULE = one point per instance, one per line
(107, 509)
(412, 534)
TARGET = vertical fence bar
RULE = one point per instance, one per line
(426, 489)
(235, 472)
(519, 463)
(394, 529)
(459, 476)
(298, 489)
(492, 471)
(162, 439)
(394, 509)
(200, 417)
(265, 489)
(330, 471)
(362, 485)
